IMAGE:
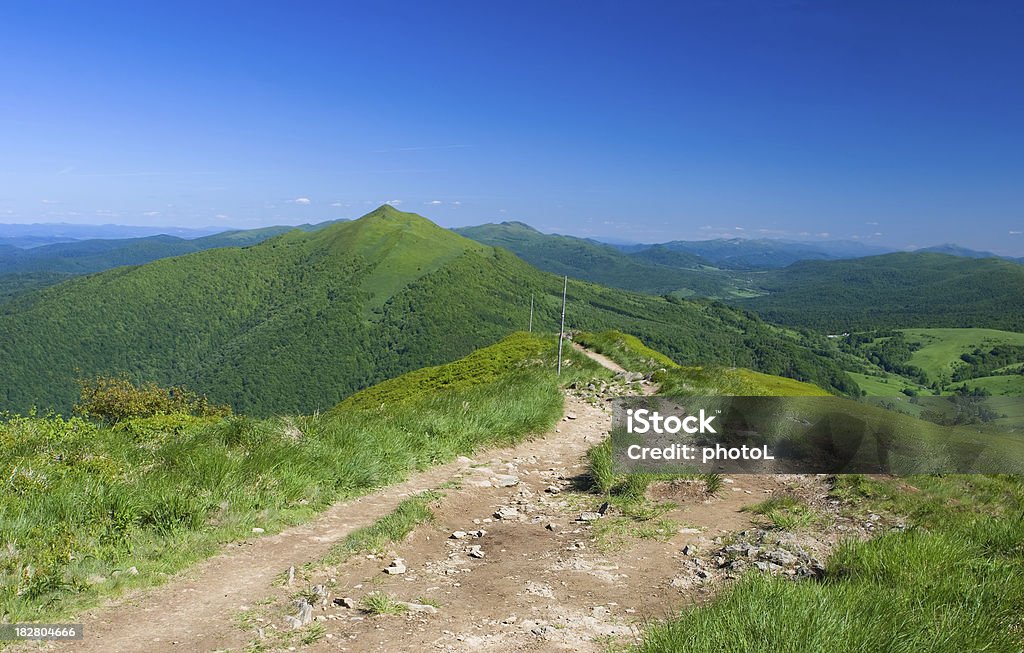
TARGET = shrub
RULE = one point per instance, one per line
(113, 399)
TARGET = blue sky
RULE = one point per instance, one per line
(896, 123)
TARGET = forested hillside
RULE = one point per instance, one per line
(302, 320)
(85, 256)
(895, 291)
(655, 270)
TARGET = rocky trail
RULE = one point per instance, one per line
(517, 558)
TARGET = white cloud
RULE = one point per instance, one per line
(1016, 233)
(435, 202)
(738, 229)
(457, 203)
(151, 214)
(824, 234)
(877, 233)
(49, 201)
(221, 216)
(302, 200)
(336, 204)
(393, 202)
(873, 224)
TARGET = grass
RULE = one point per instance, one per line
(626, 350)
(785, 512)
(888, 385)
(378, 603)
(393, 527)
(709, 381)
(941, 348)
(954, 581)
(79, 501)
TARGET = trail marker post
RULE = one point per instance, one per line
(561, 329)
(531, 313)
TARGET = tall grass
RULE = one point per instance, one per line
(81, 503)
(953, 583)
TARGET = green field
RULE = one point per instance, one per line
(941, 348)
(1001, 385)
(886, 385)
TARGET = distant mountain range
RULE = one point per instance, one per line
(35, 235)
(763, 253)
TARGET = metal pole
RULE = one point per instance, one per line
(531, 313)
(561, 330)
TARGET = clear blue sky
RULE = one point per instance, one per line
(639, 121)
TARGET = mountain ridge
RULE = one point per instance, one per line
(300, 321)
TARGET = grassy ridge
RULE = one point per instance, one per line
(81, 502)
(626, 350)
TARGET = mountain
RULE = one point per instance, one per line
(300, 321)
(895, 291)
(22, 270)
(653, 270)
(34, 235)
(957, 250)
(86, 256)
(764, 253)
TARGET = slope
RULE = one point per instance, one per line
(300, 321)
(895, 291)
(764, 253)
(655, 270)
(86, 256)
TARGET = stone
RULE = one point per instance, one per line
(553, 489)
(305, 614)
(291, 575)
(418, 607)
(475, 551)
(397, 567)
(458, 535)
(258, 531)
(689, 550)
(506, 512)
(504, 480)
(346, 602)
(570, 415)
(589, 516)
(553, 527)
(780, 557)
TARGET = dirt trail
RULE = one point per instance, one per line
(573, 586)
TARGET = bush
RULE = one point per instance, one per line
(113, 399)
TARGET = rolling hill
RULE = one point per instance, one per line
(895, 291)
(87, 256)
(302, 320)
(763, 253)
(655, 270)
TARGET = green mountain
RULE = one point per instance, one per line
(302, 320)
(86, 256)
(653, 270)
(762, 253)
(23, 270)
(895, 291)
